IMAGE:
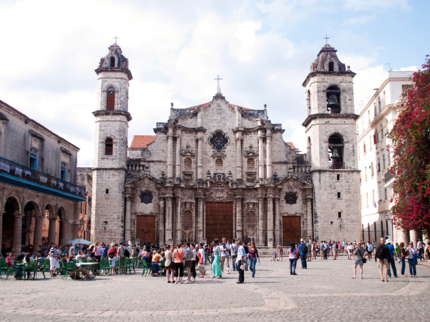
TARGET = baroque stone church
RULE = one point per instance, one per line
(222, 170)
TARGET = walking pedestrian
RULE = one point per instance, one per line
(412, 259)
(392, 258)
(253, 257)
(216, 267)
(420, 249)
(188, 257)
(281, 253)
(225, 255)
(193, 266)
(233, 252)
(169, 266)
(402, 256)
(293, 252)
(381, 256)
(201, 264)
(246, 248)
(309, 253)
(240, 262)
(314, 250)
(359, 260)
(303, 253)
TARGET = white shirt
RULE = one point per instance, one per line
(420, 244)
(241, 254)
(226, 252)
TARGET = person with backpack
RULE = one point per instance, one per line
(303, 253)
(381, 256)
(359, 260)
(292, 251)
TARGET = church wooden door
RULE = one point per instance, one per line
(145, 229)
(219, 220)
(291, 230)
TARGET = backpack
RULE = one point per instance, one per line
(126, 252)
(189, 254)
(380, 252)
(111, 255)
(304, 249)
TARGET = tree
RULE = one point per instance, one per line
(411, 164)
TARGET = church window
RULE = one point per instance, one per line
(33, 158)
(291, 198)
(333, 99)
(338, 177)
(63, 171)
(331, 66)
(338, 195)
(218, 140)
(251, 164)
(110, 99)
(107, 191)
(187, 164)
(109, 146)
(335, 151)
(112, 61)
(146, 198)
(339, 215)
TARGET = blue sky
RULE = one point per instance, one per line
(262, 50)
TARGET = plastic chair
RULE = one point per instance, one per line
(145, 269)
(10, 271)
(30, 268)
(45, 267)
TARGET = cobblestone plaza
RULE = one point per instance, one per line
(323, 292)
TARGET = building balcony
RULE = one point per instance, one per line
(22, 176)
(389, 179)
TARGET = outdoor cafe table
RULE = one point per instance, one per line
(92, 265)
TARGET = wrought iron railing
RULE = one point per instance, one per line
(388, 176)
(23, 172)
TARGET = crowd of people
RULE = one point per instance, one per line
(225, 257)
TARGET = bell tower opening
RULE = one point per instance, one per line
(331, 66)
(335, 152)
(112, 61)
(333, 99)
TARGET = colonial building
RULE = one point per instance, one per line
(37, 184)
(222, 170)
(85, 179)
(375, 153)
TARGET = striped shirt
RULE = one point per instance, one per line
(54, 250)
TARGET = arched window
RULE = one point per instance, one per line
(335, 151)
(331, 66)
(333, 99)
(33, 158)
(112, 61)
(251, 164)
(109, 146)
(110, 99)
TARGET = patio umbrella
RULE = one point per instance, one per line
(79, 241)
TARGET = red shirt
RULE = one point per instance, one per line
(112, 250)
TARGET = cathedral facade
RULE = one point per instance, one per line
(222, 170)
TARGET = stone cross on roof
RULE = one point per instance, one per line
(218, 85)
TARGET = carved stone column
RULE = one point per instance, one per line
(37, 233)
(127, 236)
(65, 232)
(239, 229)
(17, 234)
(169, 221)
(238, 155)
(200, 219)
(261, 239)
(52, 231)
(178, 221)
(161, 223)
(178, 156)
(169, 154)
(199, 158)
(260, 155)
(268, 154)
(277, 223)
(309, 217)
(270, 241)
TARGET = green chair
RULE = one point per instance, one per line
(162, 267)
(63, 270)
(146, 269)
(104, 266)
(10, 271)
(30, 268)
(71, 268)
(45, 268)
(3, 266)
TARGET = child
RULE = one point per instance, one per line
(274, 256)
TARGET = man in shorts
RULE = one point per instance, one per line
(381, 256)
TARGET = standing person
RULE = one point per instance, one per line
(98, 252)
(309, 254)
(314, 250)
(281, 253)
(402, 255)
(168, 264)
(245, 247)
(381, 255)
(412, 259)
(233, 252)
(216, 267)
(112, 258)
(72, 250)
(240, 260)
(253, 257)
(392, 258)
(53, 260)
(293, 258)
(178, 257)
(334, 250)
(396, 248)
(225, 255)
(420, 249)
(201, 264)
(193, 266)
(188, 257)
(303, 253)
(359, 260)
(105, 249)
(325, 248)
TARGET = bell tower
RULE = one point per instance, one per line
(110, 151)
(331, 148)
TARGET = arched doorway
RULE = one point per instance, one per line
(8, 220)
(31, 210)
(187, 222)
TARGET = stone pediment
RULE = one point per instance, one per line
(289, 179)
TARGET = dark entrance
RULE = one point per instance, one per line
(145, 229)
(219, 220)
(291, 230)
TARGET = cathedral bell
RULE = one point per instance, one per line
(335, 154)
(333, 104)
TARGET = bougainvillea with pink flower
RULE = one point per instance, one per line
(411, 163)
